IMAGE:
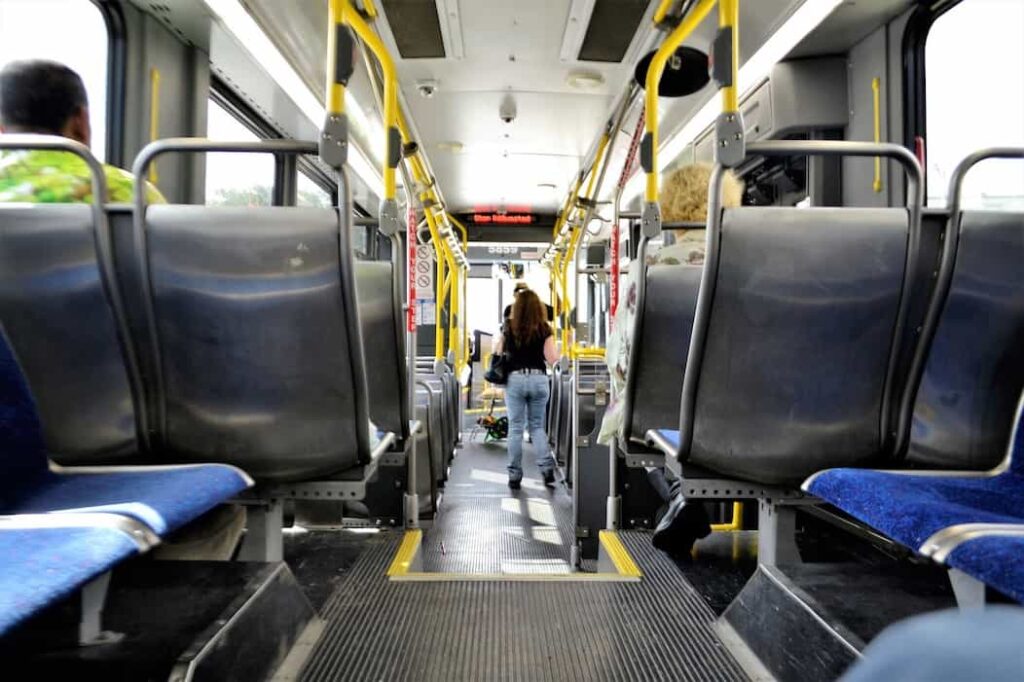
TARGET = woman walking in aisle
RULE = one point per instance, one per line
(529, 346)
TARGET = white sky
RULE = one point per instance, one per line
(974, 58)
(69, 31)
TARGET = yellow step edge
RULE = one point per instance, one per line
(617, 552)
(626, 568)
(514, 578)
(406, 553)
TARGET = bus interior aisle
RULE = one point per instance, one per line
(283, 285)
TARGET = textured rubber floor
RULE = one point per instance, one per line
(484, 527)
(656, 629)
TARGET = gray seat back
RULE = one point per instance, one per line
(384, 344)
(974, 374)
(663, 333)
(259, 367)
(795, 363)
(55, 307)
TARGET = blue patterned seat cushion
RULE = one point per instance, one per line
(995, 560)
(163, 498)
(909, 508)
(43, 566)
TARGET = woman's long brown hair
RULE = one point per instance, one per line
(529, 319)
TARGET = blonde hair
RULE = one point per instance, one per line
(684, 194)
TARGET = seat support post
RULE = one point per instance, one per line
(776, 537)
(969, 592)
(264, 539)
(90, 627)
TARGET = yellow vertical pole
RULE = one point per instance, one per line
(154, 117)
(729, 17)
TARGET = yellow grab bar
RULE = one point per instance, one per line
(662, 11)
(729, 17)
(351, 17)
(735, 524)
(876, 95)
(654, 72)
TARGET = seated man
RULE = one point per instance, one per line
(48, 98)
(684, 198)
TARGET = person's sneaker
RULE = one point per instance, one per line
(549, 479)
(515, 484)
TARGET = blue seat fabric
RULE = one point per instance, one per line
(671, 436)
(911, 508)
(43, 566)
(164, 498)
(994, 560)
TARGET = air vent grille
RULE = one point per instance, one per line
(612, 27)
(416, 28)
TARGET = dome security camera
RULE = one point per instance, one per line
(427, 88)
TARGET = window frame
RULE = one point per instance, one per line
(117, 78)
(915, 104)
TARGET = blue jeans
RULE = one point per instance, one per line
(526, 398)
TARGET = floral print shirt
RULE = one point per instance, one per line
(687, 251)
(55, 177)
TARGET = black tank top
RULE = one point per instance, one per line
(529, 356)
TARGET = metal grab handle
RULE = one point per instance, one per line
(709, 274)
(104, 250)
(944, 280)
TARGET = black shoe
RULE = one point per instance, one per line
(515, 484)
(549, 479)
(682, 525)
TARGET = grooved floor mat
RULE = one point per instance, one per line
(656, 629)
(483, 527)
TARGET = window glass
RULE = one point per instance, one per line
(974, 89)
(72, 32)
(236, 179)
(309, 193)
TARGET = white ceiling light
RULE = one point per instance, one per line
(237, 21)
(451, 28)
(585, 80)
(756, 69)
(453, 146)
(575, 29)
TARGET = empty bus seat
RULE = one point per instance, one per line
(996, 560)
(793, 374)
(260, 368)
(428, 411)
(45, 562)
(964, 408)
(382, 322)
(162, 498)
(662, 335)
(54, 303)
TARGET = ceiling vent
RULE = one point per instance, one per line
(613, 24)
(416, 28)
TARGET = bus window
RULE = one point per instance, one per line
(236, 179)
(310, 193)
(974, 93)
(71, 32)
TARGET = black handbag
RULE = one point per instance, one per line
(497, 373)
